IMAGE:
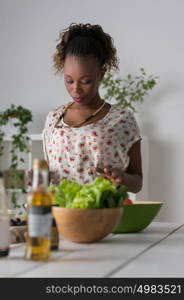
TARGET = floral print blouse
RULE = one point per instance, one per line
(73, 153)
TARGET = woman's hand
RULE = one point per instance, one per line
(132, 178)
(114, 175)
(132, 181)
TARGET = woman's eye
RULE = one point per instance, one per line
(82, 82)
(69, 81)
(86, 82)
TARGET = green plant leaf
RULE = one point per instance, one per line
(127, 91)
(21, 117)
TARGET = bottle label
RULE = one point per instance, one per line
(4, 233)
(39, 221)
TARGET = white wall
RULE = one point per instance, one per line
(147, 33)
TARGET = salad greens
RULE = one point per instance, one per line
(101, 193)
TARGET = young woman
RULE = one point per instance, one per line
(88, 136)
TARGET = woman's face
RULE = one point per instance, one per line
(82, 76)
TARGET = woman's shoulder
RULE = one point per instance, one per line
(121, 112)
(56, 112)
(53, 116)
(123, 117)
(125, 124)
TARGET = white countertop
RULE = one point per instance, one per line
(155, 252)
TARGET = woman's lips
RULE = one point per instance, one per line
(78, 99)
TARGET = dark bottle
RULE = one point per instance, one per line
(54, 236)
(4, 220)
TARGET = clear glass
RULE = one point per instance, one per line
(39, 209)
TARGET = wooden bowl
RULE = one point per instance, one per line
(86, 225)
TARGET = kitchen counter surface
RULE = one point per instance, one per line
(155, 252)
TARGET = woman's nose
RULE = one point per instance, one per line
(77, 88)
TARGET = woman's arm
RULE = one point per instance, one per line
(132, 177)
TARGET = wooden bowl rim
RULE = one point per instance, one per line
(87, 209)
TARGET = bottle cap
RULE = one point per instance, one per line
(40, 164)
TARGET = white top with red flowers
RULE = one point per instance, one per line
(73, 153)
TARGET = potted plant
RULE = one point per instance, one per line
(19, 117)
(126, 92)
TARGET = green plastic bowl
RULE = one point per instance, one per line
(137, 216)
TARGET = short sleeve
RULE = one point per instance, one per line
(132, 131)
(46, 134)
(44, 143)
(127, 129)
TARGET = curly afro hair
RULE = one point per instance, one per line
(85, 40)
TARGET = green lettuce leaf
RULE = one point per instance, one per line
(101, 193)
(65, 192)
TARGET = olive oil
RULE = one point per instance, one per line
(39, 209)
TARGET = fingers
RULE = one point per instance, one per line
(111, 172)
(112, 175)
(118, 180)
(107, 172)
(99, 170)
